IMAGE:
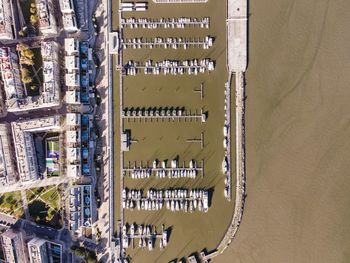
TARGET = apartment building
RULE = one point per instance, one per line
(44, 251)
(13, 246)
(6, 20)
(22, 132)
(7, 166)
(47, 20)
(10, 74)
(80, 211)
(68, 16)
(51, 71)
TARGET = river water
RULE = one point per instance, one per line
(298, 134)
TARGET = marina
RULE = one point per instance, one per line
(149, 90)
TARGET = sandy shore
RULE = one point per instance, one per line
(298, 129)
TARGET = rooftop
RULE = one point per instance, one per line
(71, 46)
(24, 143)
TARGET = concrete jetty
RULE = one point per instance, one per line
(237, 20)
(237, 25)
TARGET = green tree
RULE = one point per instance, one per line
(21, 46)
(34, 19)
(22, 33)
(28, 53)
(33, 88)
(32, 10)
(26, 61)
(27, 79)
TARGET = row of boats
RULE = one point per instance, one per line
(166, 112)
(161, 171)
(170, 63)
(175, 199)
(150, 23)
(226, 142)
(173, 205)
(169, 42)
(133, 7)
(154, 112)
(146, 234)
(173, 67)
(168, 194)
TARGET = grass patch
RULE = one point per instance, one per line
(52, 198)
(44, 206)
(11, 203)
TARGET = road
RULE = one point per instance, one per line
(11, 116)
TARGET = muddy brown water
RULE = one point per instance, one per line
(298, 127)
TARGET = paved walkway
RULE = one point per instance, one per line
(25, 204)
(38, 183)
(104, 224)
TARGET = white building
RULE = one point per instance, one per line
(47, 20)
(22, 132)
(13, 247)
(51, 72)
(73, 96)
(73, 138)
(69, 19)
(72, 63)
(72, 79)
(6, 20)
(71, 46)
(78, 69)
(7, 167)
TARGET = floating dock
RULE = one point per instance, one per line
(169, 42)
(161, 114)
(172, 67)
(141, 172)
(173, 199)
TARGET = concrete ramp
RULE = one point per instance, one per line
(237, 19)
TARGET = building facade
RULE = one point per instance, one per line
(68, 16)
(47, 20)
(13, 247)
(10, 74)
(6, 20)
(8, 172)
